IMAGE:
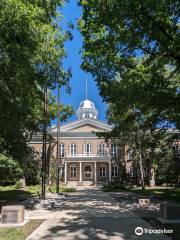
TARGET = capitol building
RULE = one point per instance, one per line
(85, 157)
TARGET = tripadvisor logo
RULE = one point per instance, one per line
(139, 231)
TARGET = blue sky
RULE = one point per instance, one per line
(71, 13)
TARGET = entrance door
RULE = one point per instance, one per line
(88, 172)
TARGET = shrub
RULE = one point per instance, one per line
(10, 170)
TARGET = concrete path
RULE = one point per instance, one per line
(90, 214)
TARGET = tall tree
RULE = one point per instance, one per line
(132, 50)
(139, 40)
(32, 50)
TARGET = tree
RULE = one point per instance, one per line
(32, 49)
(10, 170)
(132, 50)
(139, 41)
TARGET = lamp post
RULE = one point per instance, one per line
(58, 135)
(44, 152)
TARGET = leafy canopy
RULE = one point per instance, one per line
(138, 41)
(32, 50)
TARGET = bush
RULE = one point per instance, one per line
(10, 170)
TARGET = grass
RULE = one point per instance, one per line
(10, 193)
(62, 189)
(19, 233)
(172, 194)
(165, 193)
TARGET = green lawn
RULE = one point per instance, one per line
(62, 189)
(163, 192)
(19, 233)
(10, 193)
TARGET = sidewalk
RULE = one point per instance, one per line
(90, 214)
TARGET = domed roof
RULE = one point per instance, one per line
(87, 104)
(86, 109)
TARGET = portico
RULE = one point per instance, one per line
(85, 170)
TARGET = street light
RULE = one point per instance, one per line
(58, 135)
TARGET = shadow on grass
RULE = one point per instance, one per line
(12, 195)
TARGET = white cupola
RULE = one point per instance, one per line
(86, 109)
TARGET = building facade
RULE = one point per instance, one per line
(87, 158)
(84, 156)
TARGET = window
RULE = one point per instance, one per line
(73, 170)
(130, 170)
(61, 149)
(114, 150)
(87, 149)
(114, 170)
(61, 171)
(102, 171)
(101, 149)
(129, 154)
(73, 149)
(176, 148)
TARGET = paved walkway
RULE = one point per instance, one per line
(90, 214)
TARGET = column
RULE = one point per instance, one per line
(95, 173)
(110, 171)
(80, 172)
(65, 172)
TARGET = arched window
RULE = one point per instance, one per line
(102, 171)
(87, 168)
(87, 149)
(73, 170)
(73, 149)
(114, 170)
(101, 149)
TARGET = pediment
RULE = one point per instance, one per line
(85, 125)
(87, 128)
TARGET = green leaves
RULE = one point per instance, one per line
(10, 169)
(132, 50)
(32, 49)
(138, 41)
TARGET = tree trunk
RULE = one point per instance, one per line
(141, 172)
(140, 162)
(151, 175)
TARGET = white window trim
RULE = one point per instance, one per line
(86, 153)
(73, 170)
(102, 171)
(115, 170)
(73, 149)
(114, 150)
(61, 149)
(101, 149)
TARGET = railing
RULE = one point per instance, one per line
(87, 155)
